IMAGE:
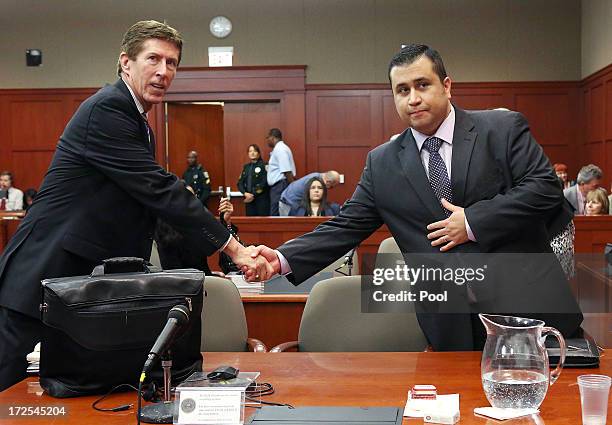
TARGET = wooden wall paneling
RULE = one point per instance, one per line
(5, 134)
(480, 101)
(35, 126)
(199, 128)
(293, 126)
(342, 127)
(391, 122)
(246, 123)
(597, 114)
(596, 118)
(553, 117)
(351, 165)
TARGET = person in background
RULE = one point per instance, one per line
(12, 198)
(281, 168)
(291, 197)
(314, 201)
(561, 171)
(254, 185)
(610, 200)
(597, 202)
(174, 251)
(588, 179)
(28, 198)
(197, 177)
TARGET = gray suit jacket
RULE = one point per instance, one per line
(500, 176)
(572, 196)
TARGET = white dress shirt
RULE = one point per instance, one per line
(15, 200)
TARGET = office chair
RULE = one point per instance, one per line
(224, 325)
(333, 321)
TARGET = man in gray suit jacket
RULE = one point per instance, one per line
(589, 178)
(466, 181)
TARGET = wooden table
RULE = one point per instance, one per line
(9, 221)
(340, 379)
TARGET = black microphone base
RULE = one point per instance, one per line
(158, 413)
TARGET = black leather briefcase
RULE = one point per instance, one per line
(99, 328)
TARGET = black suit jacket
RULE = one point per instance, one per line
(99, 199)
(501, 177)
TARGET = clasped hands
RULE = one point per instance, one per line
(257, 263)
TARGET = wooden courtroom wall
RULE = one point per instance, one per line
(596, 121)
(345, 121)
(31, 122)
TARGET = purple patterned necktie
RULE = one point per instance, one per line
(438, 176)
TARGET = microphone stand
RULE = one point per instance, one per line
(161, 412)
(349, 261)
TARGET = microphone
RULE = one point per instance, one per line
(178, 317)
(348, 258)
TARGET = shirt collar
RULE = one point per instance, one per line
(138, 104)
(444, 132)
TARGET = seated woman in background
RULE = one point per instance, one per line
(597, 202)
(314, 201)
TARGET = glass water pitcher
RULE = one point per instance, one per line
(515, 370)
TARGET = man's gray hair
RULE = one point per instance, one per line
(588, 173)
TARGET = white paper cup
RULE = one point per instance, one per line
(594, 390)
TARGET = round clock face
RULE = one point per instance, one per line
(220, 26)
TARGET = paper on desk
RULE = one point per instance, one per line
(503, 414)
(443, 403)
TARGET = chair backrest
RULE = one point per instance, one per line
(333, 321)
(224, 325)
(389, 254)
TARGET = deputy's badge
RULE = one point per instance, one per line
(259, 191)
(258, 169)
(195, 176)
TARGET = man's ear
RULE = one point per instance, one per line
(447, 86)
(124, 60)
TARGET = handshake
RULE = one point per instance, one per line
(257, 263)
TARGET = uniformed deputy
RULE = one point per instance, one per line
(253, 184)
(197, 177)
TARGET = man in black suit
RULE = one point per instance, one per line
(102, 194)
(466, 181)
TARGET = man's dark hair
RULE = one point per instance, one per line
(412, 52)
(275, 132)
(7, 173)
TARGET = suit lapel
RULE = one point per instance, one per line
(120, 84)
(463, 145)
(412, 168)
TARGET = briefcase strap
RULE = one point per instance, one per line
(124, 265)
